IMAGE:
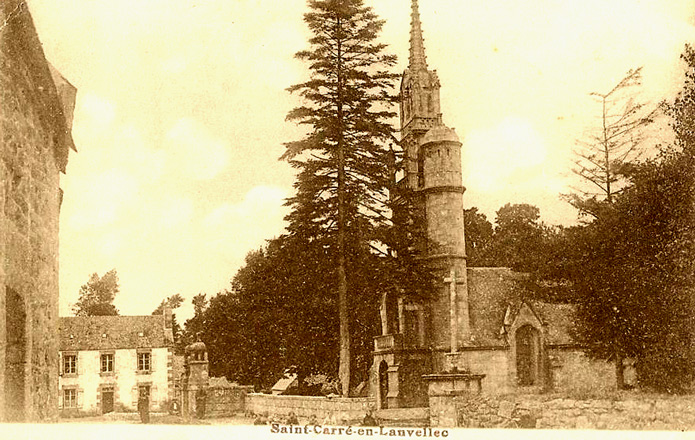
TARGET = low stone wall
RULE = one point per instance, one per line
(334, 410)
(642, 412)
(226, 401)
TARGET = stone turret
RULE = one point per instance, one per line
(417, 333)
(433, 171)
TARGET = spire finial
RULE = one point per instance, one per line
(417, 44)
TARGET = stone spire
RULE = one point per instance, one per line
(417, 45)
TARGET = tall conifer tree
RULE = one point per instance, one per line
(343, 176)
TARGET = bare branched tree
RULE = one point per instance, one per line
(604, 156)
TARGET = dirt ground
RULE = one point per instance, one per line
(156, 419)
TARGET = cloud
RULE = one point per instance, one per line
(493, 155)
(102, 196)
(247, 224)
(175, 213)
(193, 151)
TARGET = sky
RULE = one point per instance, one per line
(181, 105)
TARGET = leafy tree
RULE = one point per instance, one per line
(97, 295)
(173, 302)
(479, 233)
(518, 230)
(272, 319)
(342, 162)
(196, 324)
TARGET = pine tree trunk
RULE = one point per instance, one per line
(343, 316)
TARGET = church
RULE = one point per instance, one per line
(476, 332)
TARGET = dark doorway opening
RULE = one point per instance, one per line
(383, 384)
(107, 401)
(15, 356)
(527, 356)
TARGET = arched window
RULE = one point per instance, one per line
(528, 356)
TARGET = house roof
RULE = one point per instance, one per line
(113, 332)
(495, 290)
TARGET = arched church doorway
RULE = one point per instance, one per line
(383, 384)
(528, 356)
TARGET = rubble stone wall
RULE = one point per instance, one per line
(226, 401)
(333, 410)
(626, 412)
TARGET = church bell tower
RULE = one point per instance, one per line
(423, 333)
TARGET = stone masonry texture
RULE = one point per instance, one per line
(34, 140)
(630, 411)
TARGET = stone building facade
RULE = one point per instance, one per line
(476, 331)
(106, 361)
(36, 106)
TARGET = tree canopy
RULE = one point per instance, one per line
(97, 295)
(172, 302)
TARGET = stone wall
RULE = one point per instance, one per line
(574, 373)
(625, 412)
(226, 401)
(34, 138)
(334, 410)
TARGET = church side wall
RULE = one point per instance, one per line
(495, 365)
(29, 248)
(573, 372)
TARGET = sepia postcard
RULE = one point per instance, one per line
(347, 218)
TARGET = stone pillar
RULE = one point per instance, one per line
(196, 378)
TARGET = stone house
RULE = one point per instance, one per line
(106, 361)
(476, 331)
(36, 106)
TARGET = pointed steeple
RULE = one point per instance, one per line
(417, 45)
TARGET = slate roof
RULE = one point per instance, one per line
(494, 290)
(122, 332)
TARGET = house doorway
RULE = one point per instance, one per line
(527, 356)
(107, 401)
(383, 384)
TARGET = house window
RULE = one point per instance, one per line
(70, 398)
(107, 363)
(70, 364)
(144, 361)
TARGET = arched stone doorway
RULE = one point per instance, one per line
(528, 356)
(383, 384)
